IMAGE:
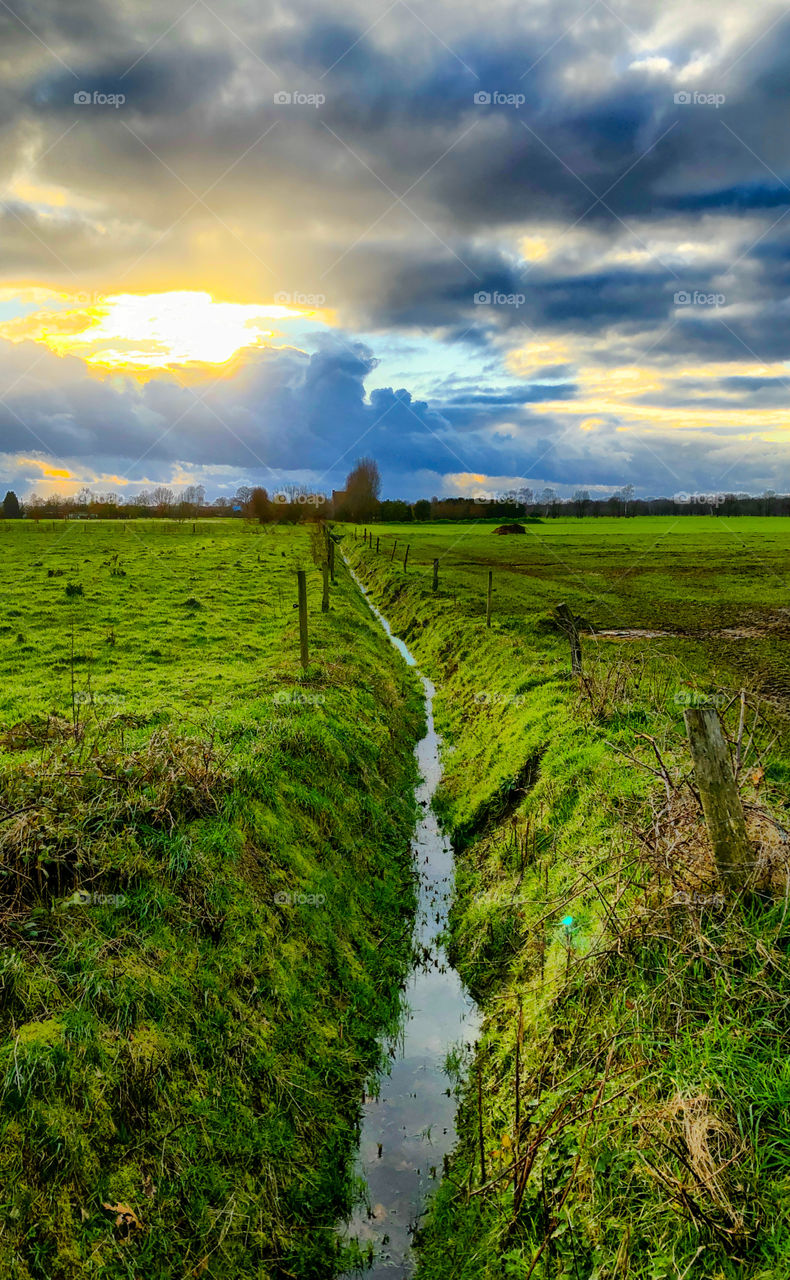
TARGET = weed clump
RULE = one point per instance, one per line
(182, 1055)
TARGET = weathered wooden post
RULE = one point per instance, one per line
(394, 548)
(721, 803)
(364, 535)
(301, 578)
(480, 1123)
(436, 575)
(325, 594)
(405, 558)
(568, 624)
(332, 559)
(377, 545)
(489, 596)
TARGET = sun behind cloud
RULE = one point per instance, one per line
(141, 333)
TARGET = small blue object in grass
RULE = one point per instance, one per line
(567, 923)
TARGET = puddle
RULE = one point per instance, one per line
(410, 1127)
(631, 633)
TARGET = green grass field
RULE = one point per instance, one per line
(206, 898)
(698, 576)
(643, 1014)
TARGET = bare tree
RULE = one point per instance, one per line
(162, 499)
(362, 489)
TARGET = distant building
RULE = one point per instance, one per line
(338, 498)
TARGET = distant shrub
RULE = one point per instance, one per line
(74, 589)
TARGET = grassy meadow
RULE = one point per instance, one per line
(700, 577)
(205, 894)
(626, 1114)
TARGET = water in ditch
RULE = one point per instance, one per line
(409, 1128)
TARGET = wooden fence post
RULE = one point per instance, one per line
(721, 803)
(568, 624)
(301, 578)
(395, 544)
(436, 575)
(480, 1123)
(489, 596)
(377, 545)
(405, 558)
(332, 559)
(325, 594)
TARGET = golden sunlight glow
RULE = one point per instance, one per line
(145, 332)
(55, 473)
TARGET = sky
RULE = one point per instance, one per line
(493, 246)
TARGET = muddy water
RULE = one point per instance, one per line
(410, 1126)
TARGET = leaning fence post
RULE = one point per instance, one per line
(301, 578)
(377, 545)
(436, 575)
(488, 598)
(568, 624)
(394, 546)
(332, 559)
(325, 594)
(721, 803)
(405, 558)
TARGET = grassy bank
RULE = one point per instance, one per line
(626, 1114)
(206, 899)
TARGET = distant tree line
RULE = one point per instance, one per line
(359, 501)
(546, 504)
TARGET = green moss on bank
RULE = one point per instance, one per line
(206, 924)
(644, 1017)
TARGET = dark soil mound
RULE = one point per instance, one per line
(510, 528)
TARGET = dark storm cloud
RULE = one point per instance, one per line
(287, 411)
(400, 199)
